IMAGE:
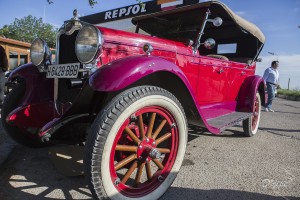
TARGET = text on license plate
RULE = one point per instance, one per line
(69, 70)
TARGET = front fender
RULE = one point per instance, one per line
(24, 71)
(38, 87)
(247, 93)
(119, 74)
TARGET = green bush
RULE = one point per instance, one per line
(293, 93)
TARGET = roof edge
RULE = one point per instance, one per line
(243, 23)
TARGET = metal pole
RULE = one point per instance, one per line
(289, 83)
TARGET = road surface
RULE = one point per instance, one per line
(229, 166)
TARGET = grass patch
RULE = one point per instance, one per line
(293, 93)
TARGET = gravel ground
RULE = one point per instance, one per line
(285, 121)
(228, 166)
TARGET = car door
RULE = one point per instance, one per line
(212, 80)
(238, 73)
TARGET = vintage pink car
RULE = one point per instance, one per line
(128, 98)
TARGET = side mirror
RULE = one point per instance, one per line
(209, 43)
(218, 21)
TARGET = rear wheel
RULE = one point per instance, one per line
(10, 103)
(251, 124)
(136, 145)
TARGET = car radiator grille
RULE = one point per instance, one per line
(67, 55)
(67, 48)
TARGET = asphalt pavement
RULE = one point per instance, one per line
(228, 166)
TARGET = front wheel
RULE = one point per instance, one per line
(251, 124)
(136, 145)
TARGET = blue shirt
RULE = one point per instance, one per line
(271, 75)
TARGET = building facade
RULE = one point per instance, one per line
(17, 52)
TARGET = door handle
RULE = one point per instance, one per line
(221, 71)
(243, 73)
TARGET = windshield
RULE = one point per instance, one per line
(179, 26)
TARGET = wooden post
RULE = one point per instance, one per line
(19, 58)
(7, 55)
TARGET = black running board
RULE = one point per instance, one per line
(228, 120)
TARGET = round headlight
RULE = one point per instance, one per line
(37, 51)
(88, 42)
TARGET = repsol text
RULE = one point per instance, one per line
(121, 12)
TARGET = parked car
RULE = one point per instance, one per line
(128, 98)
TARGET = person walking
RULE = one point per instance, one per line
(271, 77)
(3, 69)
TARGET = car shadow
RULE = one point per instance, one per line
(34, 176)
(271, 130)
(172, 193)
(195, 132)
(293, 113)
(291, 106)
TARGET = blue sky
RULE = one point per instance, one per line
(278, 19)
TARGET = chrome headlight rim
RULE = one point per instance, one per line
(98, 44)
(38, 61)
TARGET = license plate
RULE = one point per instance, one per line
(69, 70)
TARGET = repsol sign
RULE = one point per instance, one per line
(131, 11)
(127, 11)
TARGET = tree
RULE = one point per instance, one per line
(28, 28)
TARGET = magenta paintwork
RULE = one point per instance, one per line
(213, 84)
(36, 108)
(210, 111)
(121, 44)
(248, 91)
(238, 73)
(128, 70)
(38, 87)
(32, 115)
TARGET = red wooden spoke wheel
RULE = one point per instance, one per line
(136, 145)
(255, 116)
(149, 139)
(251, 124)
